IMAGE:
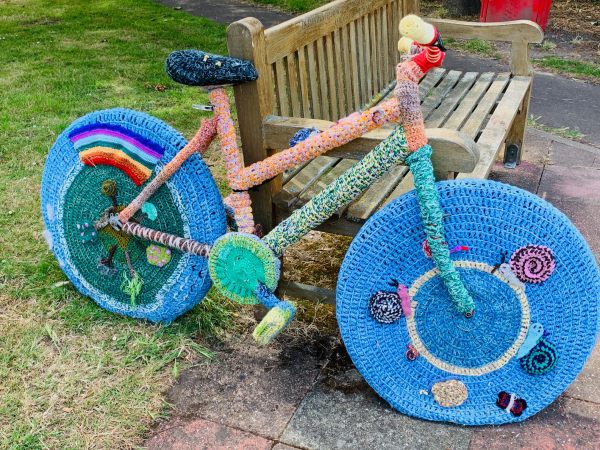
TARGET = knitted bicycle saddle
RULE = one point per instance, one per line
(197, 68)
(535, 285)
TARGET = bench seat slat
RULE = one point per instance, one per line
(449, 104)
(469, 102)
(403, 187)
(303, 180)
(493, 136)
(429, 81)
(368, 203)
(438, 93)
(477, 118)
(323, 181)
(288, 174)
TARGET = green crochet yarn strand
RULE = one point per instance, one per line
(393, 150)
(132, 286)
(433, 221)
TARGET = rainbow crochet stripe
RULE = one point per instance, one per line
(116, 146)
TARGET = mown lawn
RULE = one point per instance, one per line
(71, 374)
(299, 6)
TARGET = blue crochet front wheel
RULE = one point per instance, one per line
(535, 285)
(96, 167)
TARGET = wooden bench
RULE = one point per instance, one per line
(323, 65)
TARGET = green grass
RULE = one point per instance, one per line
(569, 66)
(297, 6)
(73, 375)
(565, 132)
(477, 46)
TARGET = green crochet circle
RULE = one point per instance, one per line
(84, 203)
(237, 262)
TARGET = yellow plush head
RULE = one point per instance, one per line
(404, 45)
(417, 29)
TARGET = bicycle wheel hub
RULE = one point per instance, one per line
(468, 345)
(238, 262)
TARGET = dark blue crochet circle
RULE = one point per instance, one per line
(197, 198)
(489, 218)
(468, 342)
(385, 307)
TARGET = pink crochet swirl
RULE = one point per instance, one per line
(532, 263)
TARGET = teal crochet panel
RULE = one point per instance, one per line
(433, 221)
(393, 150)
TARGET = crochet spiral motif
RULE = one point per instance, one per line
(385, 307)
(532, 263)
(541, 359)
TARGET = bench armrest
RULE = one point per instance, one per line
(453, 151)
(519, 33)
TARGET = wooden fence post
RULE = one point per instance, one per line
(253, 100)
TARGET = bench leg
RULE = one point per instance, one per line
(516, 134)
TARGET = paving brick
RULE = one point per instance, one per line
(570, 183)
(203, 434)
(566, 424)
(536, 147)
(567, 156)
(586, 385)
(252, 388)
(344, 412)
(281, 446)
(526, 175)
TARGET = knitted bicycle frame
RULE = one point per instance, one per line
(420, 343)
(407, 144)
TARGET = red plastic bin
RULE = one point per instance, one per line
(503, 10)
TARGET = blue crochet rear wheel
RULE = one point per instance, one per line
(99, 164)
(535, 284)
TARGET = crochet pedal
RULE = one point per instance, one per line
(276, 320)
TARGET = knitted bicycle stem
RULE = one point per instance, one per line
(199, 143)
(393, 150)
(169, 240)
(432, 215)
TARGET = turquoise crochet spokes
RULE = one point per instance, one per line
(433, 221)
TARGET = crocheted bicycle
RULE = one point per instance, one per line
(465, 301)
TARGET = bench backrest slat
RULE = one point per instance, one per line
(331, 61)
(323, 64)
